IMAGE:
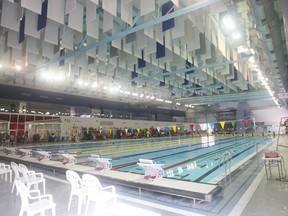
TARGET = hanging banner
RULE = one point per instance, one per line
(222, 124)
(203, 126)
(234, 123)
(211, 125)
(174, 128)
(192, 127)
(246, 122)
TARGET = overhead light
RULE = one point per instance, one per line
(80, 82)
(228, 22)
(59, 77)
(236, 35)
(18, 67)
(127, 92)
(1, 66)
(251, 59)
(113, 88)
(94, 85)
(242, 49)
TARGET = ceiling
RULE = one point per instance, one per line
(174, 54)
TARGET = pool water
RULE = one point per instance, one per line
(185, 158)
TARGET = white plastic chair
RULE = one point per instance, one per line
(17, 177)
(77, 189)
(6, 169)
(34, 204)
(97, 193)
(30, 177)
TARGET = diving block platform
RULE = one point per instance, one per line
(25, 152)
(68, 159)
(43, 155)
(9, 150)
(101, 163)
(152, 170)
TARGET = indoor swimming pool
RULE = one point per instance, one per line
(199, 159)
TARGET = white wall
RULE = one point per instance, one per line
(269, 116)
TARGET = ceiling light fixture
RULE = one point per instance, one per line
(94, 85)
(228, 22)
(236, 35)
(18, 67)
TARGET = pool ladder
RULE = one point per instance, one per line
(225, 162)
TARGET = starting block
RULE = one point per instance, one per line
(68, 159)
(10, 150)
(152, 170)
(25, 152)
(101, 163)
(43, 155)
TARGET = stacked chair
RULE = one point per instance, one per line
(6, 169)
(77, 189)
(89, 187)
(34, 204)
(28, 177)
(32, 200)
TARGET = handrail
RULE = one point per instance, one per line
(225, 161)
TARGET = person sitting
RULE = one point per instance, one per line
(11, 139)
